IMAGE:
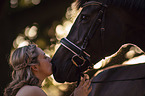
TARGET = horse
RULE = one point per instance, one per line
(99, 30)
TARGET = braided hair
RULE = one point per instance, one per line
(21, 60)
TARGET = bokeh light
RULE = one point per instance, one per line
(50, 86)
(24, 43)
(36, 2)
(136, 60)
(133, 56)
(21, 40)
(23, 3)
(14, 3)
(63, 29)
(31, 33)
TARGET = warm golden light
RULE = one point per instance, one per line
(63, 87)
(36, 2)
(60, 32)
(130, 54)
(71, 14)
(50, 86)
(56, 47)
(24, 43)
(99, 64)
(14, 3)
(20, 39)
(136, 60)
(52, 91)
(31, 33)
(26, 2)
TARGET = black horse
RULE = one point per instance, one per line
(100, 29)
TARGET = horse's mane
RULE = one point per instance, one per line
(136, 5)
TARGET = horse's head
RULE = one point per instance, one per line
(99, 30)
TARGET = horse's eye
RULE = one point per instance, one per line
(84, 18)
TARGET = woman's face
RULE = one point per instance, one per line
(45, 66)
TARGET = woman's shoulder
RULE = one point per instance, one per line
(30, 91)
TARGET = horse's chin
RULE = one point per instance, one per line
(65, 74)
(57, 76)
(72, 75)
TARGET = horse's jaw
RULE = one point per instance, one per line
(67, 73)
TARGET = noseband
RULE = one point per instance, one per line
(80, 56)
(78, 52)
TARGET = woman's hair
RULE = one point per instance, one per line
(21, 60)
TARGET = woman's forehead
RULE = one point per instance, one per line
(40, 51)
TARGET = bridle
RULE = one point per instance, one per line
(81, 57)
(79, 52)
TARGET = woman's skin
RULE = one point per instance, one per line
(83, 88)
(42, 71)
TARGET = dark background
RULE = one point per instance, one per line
(13, 21)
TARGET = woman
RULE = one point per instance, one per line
(31, 66)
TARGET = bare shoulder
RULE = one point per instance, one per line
(31, 91)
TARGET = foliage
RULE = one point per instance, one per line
(25, 21)
(48, 40)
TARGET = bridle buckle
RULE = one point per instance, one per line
(78, 61)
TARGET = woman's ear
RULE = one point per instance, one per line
(35, 67)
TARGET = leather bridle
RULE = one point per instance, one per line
(81, 57)
(79, 52)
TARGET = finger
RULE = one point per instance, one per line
(89, 90)
(91, 78)
(82, 82)
(86, 76)
(86, 83)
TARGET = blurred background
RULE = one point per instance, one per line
(45, 22)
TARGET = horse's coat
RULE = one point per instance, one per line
(123, 22)
(123, 87)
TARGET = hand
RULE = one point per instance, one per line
(84, 87)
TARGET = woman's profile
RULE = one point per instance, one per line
(30, 67)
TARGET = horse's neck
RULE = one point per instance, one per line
(135, 32)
